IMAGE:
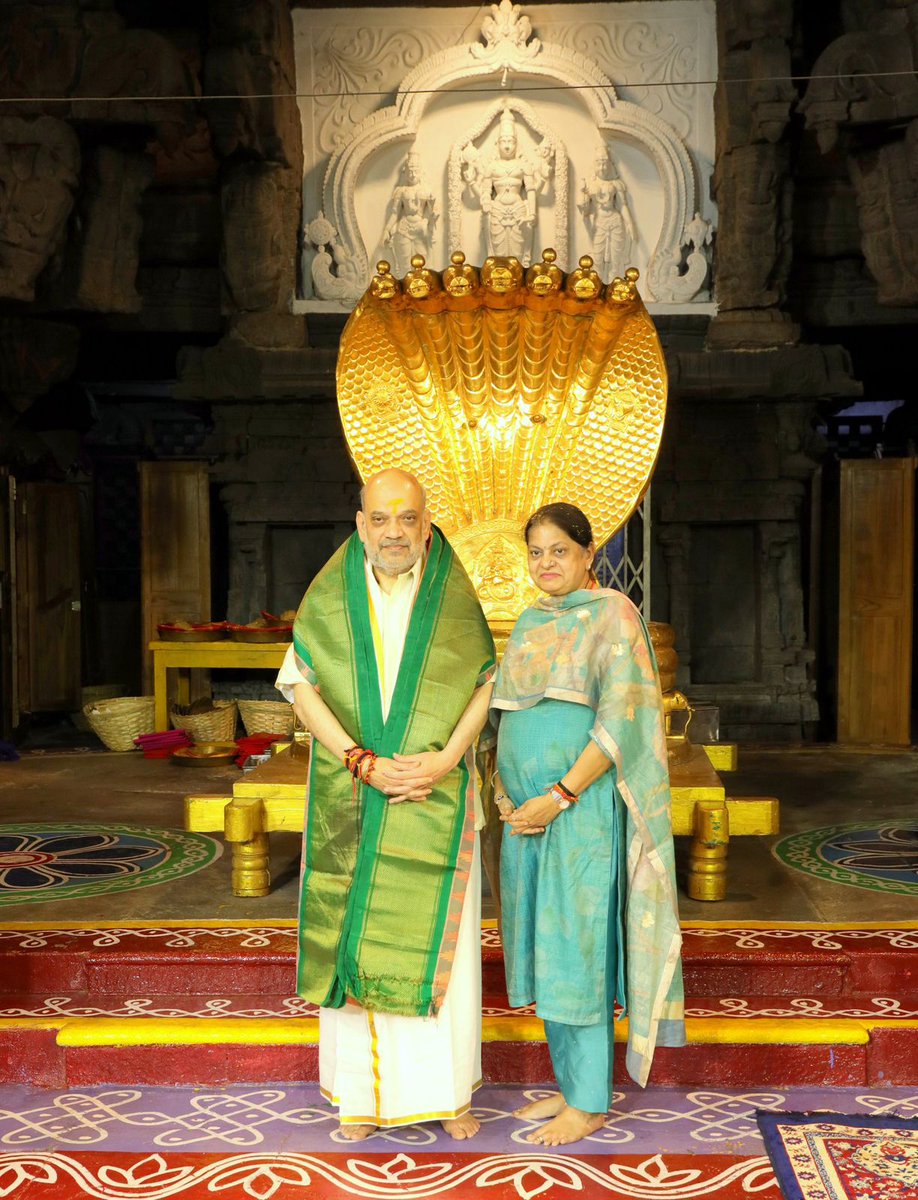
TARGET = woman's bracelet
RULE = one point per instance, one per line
(563, 796)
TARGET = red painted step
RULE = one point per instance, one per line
(715, 963)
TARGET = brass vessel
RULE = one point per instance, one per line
(663, 638)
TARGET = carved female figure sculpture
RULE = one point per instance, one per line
(604, 204)
(507, 185)
(410, 217)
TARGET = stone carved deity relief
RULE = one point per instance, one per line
(508, 185)
(39, 174)
(411, 216)
(604, 205)
(505, 182)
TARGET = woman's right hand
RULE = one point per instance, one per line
(534, 816)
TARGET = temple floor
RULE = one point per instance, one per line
(820, 789)
(261, 1141)
(150, 1043)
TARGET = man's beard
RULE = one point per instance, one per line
(377, 561)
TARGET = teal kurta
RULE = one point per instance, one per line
(562, 902)
(592, 912)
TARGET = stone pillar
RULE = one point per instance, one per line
(863, 100)
(102, 258)
(251, 55)
(752, 183)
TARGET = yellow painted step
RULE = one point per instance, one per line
(279, 1031)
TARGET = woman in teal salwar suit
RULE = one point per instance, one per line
(590, 917)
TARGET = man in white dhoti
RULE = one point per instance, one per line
(390, 670)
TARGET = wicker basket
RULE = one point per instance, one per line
(117, 722)
(218, 725)
(267, 716)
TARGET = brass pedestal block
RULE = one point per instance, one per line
(707, 870)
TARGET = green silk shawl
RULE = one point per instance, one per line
(383, 885)
(592, 647)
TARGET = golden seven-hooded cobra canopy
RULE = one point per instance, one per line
(503, 390)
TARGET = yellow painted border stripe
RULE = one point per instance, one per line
(188, 1031)
(728, 1031)
(487, 923)
(209, 923)
(304, 1031)
(822, 926)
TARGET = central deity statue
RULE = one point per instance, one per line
(507, 185)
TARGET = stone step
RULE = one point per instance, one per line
(757, 1052)
(861, 963)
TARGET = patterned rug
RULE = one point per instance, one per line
(882, 858)
(67, 862)
(827, 1156)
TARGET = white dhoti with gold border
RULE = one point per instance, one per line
(386, 1070)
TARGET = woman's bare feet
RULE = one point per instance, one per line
(570, 1125)
(541, 1110)
(356, 1133)
(462, 1127)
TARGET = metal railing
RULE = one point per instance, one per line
(624, 561)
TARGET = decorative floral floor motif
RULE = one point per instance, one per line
(280, 936)
(154, 1143)
(66, 862)
(298, 1176)
(260, 1007)
(245, 1118)
(880, 858)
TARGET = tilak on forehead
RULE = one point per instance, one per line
(386, 480)
(394, 504)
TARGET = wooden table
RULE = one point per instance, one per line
(183, 657)
(272, 797)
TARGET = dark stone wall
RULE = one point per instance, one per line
(148, 245)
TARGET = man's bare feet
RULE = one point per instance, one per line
(462, 1127)
(356, 1133)
(570, 1125)
(541, 1110)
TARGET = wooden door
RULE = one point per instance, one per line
(9, 715)
(876, 601)
(48, 593)
(175, 548)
